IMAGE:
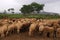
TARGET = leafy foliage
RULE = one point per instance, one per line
(37, 7)
(31, 8)
(26, 9)
(11, 10)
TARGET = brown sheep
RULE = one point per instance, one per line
(26, 23)
(58, 32)
(48, 31)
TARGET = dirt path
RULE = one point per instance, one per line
(24, 36)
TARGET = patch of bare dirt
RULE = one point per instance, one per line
(25, 36)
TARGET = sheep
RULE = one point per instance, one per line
(4, 21)
(11, 27)
(56, 25)
(58, 32)
(22, 20)
(26, 23)
(32, 20)
(48, 31)
(19, 26)
(41, 27)
(3, 29)
(23, 23)
(32, 28)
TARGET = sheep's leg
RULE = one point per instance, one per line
(40, 33)
(54, 34)
(51, 34)
(13, 30)
(57, 34)
(7, 32)
(18, 31)
(44, 34)
(2, 35)
(29, 33)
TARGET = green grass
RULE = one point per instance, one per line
(30, 16)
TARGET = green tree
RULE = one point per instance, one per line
(31, 8)
(26, 9)
(11, 10)
(37, 7)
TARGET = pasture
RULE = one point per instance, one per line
(29, 27)
(40, 16)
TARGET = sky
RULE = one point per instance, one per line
(50, 5)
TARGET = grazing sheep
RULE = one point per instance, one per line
(19, 26)
(22, 20)
(26, 23)
(32, 28)
(32, 20)
(58, 32)
(11, 27)
(48, 31)
(41, 27)
(3, 29)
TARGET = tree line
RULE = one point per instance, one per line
(31, 8)
(28, 8)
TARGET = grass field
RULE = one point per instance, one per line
(43, 16)
(25, 35)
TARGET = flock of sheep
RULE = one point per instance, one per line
(45, 27)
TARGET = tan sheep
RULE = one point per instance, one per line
(32, 29)
(19, 26)
(41, 29)
(11, 27)
(3, 29)
(32, 20)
